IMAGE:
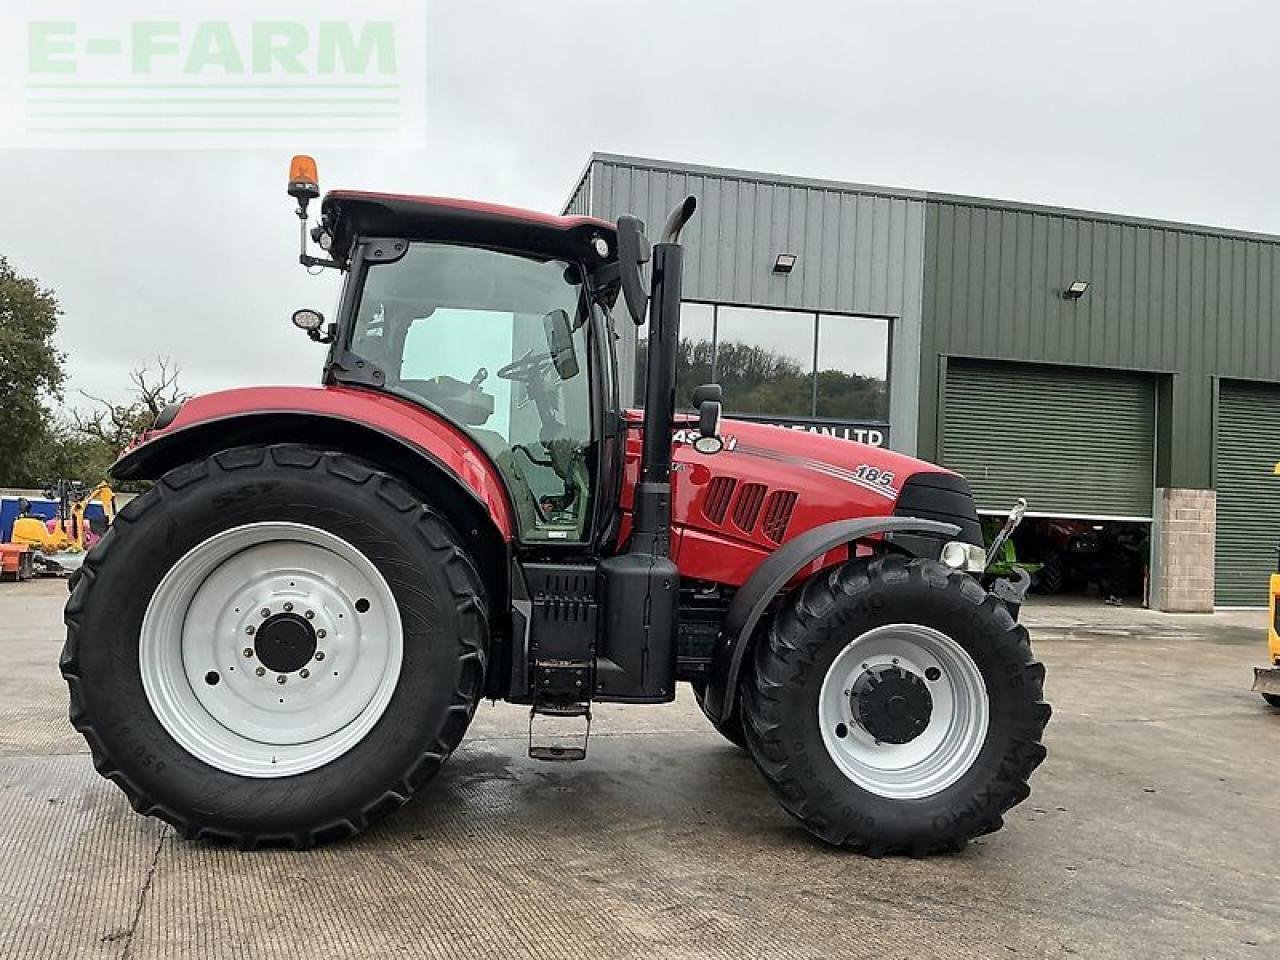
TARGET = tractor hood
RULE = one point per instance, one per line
(772, 483)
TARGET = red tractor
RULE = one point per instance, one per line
(288, 634)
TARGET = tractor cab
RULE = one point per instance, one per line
(509, 343)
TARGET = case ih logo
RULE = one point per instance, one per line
(227, 74)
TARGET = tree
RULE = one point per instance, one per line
(80, 444)
(757, 380)
(113, 425)
(30, 371)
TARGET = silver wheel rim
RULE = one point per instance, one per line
(957, 727)
(204, 673)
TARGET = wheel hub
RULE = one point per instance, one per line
(285, 643)
(904, 710)
(891, 704)
(271, 649)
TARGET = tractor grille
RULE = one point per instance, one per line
(719, 493)
(749, 504)
(746, 509)
(777, 514)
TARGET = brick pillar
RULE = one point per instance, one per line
(1182, 547)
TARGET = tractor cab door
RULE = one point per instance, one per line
(497, 343)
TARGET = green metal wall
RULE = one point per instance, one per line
(1185, 303)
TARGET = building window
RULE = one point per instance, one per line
(852, 368)
(782, 363)
(764, 361)
(695, 364)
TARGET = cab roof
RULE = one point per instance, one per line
(348, 214)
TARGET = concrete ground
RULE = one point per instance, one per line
(1153, 830)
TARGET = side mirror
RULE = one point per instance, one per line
(706, 400)
(705, 392)
(633, 254)
(560, 343)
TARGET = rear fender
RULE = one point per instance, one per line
(752, 600)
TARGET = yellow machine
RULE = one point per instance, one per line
(69, 531)
(1266, 680)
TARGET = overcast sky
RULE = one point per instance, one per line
(1163, 109)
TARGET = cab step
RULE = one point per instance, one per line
(559, 731)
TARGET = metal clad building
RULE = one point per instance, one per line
(1154, 395)
(859, 251)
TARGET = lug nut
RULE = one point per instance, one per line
(266, 612)
(248, 651)
(319, 654)
(281, 679)
(309, 615)
(260, 671)
(249, 629)
(304, 673)
(320, 634)
(288, 608)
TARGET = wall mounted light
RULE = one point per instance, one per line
(785, 263)
(1076, 290)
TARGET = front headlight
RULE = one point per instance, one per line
(964, 556)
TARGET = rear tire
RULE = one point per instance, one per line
(244, 527)
(926, 789)
(1052, 579)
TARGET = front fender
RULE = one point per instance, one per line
(753, 598)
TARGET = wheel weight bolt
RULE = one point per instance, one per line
(288, 608)
(932, 674)
(248, 651)
(320, 634)
(281, 679)
(249, 630)
(260, 671)
(304, 673)
(266, 612)
(319, 654)
(310, 615)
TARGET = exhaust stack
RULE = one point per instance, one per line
(642, 586)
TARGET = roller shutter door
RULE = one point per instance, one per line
(1074, 442)
(1248, 527)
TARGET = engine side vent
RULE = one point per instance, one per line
(777, 514)
(716, 503)
(746, 509)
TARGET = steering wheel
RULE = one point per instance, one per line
(531, 366)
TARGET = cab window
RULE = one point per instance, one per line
(497, 343)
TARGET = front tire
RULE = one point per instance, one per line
(1272, 699)
(895, 707)
(274, 646)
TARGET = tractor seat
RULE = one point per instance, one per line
(461, 401)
